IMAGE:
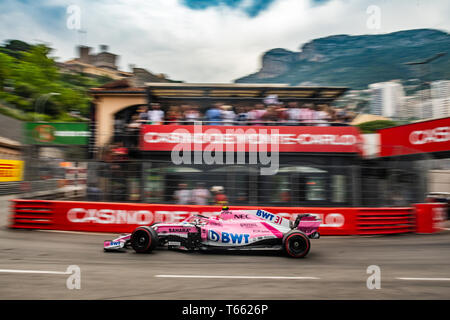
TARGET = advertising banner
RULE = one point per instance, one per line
(76, 133)
(251, 138)
(11, 170)
(421, 137)
(125, 217)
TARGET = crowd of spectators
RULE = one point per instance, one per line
(277, 113)
(200, 195)
(220, 114)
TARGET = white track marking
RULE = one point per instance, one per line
(425, 279)
(232, 277)
(31, 271)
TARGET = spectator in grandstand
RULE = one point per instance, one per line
(307, 114)
(340, 115)
(214, 115)
(200, 195)
(132, 131)
(182, 195)
(322, 115)
(228, 115)
(270, 117)
(331, 113)
(256, 114)
(142, 114)
(281, 112)
(219, 196)
(173, 115)
(183, 110)
(191, 115)
(293, 112)
(271, 99)
(156, 115)
(241, 116)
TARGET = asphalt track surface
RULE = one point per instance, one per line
(33, 266)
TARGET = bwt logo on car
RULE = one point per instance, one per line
(265, 215)
(226, 237)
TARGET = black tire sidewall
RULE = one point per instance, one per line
(152, 239)
(288, 236)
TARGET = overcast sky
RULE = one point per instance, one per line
(206, 40)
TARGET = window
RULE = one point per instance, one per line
(316, 188)
(153, 185)
(338, 188)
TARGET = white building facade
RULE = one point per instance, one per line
(387, 99)
(440, 97)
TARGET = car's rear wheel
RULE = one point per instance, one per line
(144, 239)
(296, 244)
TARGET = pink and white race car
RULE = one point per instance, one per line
(230, 230)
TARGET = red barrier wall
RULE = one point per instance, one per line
(430, 217)
(124, 217)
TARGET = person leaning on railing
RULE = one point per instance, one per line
(155, 115)
(191, 115)
(214, 115)
(173, 115)
(228, 115)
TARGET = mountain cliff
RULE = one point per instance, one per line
(357, 61)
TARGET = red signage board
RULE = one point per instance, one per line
(125, 217)
(421, 137)
(251, 138)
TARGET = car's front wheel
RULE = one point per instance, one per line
(296, 244)
(144, 239)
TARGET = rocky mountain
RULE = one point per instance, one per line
(357, 61)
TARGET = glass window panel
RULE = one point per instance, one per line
(338, 186)
(315, 188)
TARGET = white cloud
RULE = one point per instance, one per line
(214, 45)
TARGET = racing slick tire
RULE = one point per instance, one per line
(296, 244)
(144, 239)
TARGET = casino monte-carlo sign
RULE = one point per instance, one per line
(50, 133)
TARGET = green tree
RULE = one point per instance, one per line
(27, 78)
(373, 126)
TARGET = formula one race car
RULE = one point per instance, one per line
(230, 230)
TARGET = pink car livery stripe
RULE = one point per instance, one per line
(273, 230)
